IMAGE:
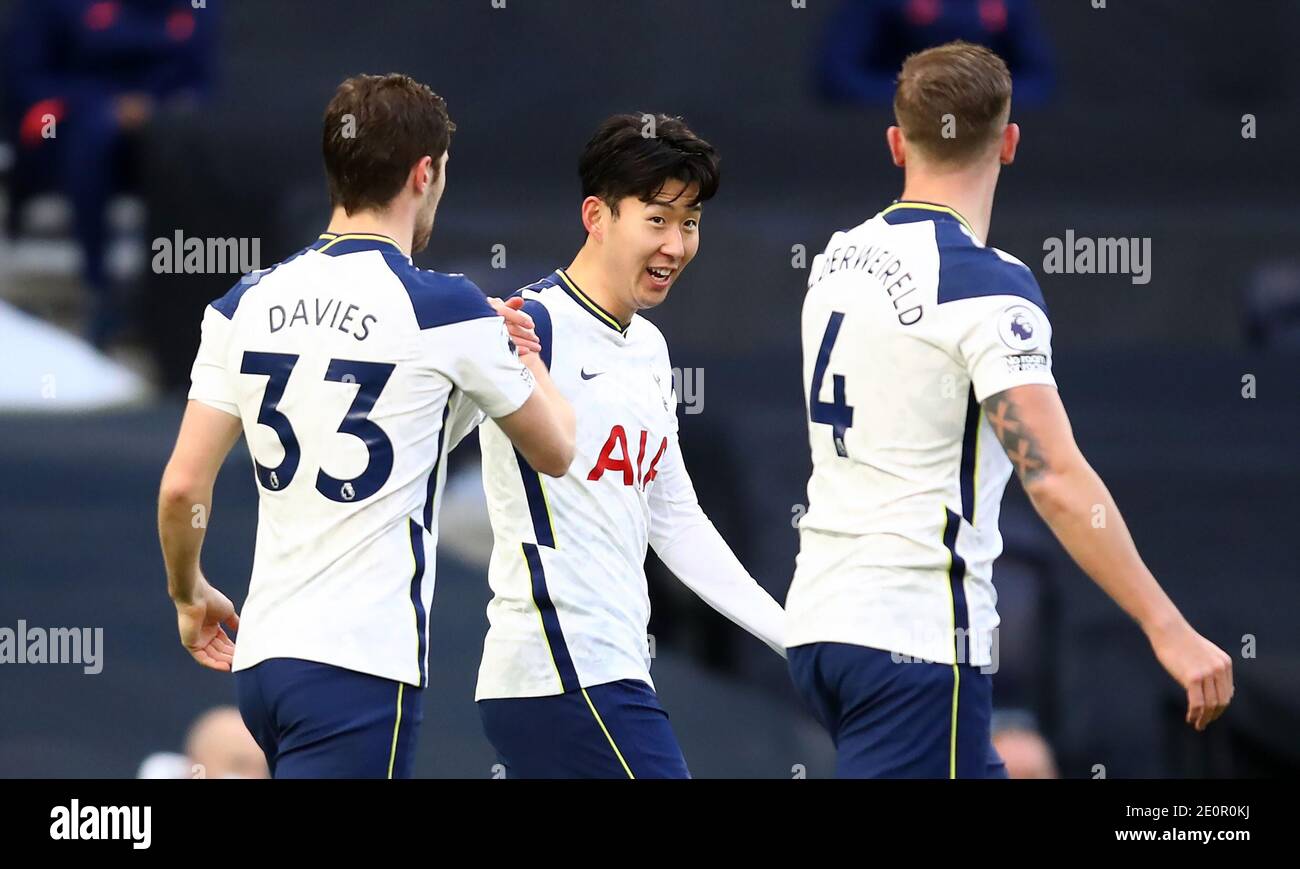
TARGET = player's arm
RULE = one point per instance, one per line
(1031, 423)
(544, 429)
(510, 384)
(689, 545)
(465, 415)
(184, 507)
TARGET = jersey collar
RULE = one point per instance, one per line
(566, 283)
(331, 244)
(922, 211)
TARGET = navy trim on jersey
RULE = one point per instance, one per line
(537, 286)
(431, 490)
(438, 299)
(417, 599)
(542, 326)
(922, 205)
(228, 303)
(966, 476)
(956, 581)
(570, 286)
(967, 270)
(550, 620)
(540, 313)
(355, 242)
(538, 510)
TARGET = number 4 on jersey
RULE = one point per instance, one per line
(837, 413)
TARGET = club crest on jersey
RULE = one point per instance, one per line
(1019, 328)
(622, 461)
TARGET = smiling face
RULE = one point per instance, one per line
(647, 245)
(644, 178)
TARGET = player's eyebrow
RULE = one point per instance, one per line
(670, 203)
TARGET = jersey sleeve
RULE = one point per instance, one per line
(471, 347)
(689, 545)
(210, 382)
(1007, 342)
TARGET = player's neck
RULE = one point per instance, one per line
(592, 279)
(373, 223)
(969, 193)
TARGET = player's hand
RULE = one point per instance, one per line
(518, 324)
(200, 622)
(1202, 668)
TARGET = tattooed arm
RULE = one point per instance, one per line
(1032, 426)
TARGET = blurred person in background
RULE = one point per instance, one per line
(867, 41)
(1021, 746)
(86, 79)
(220, 746)
(217, 745)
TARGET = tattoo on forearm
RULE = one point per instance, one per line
(1021, 445)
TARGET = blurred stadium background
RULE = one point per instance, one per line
(1133, 122)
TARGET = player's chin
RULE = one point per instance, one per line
(654, 290)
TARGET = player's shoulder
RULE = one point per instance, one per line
(542, 293)
(438, 298)
(970, 270)
(541, 302)
(544, 299)
(228, 304)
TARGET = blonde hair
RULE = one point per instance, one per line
(952, 101)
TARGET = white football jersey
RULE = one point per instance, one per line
(909, 323)
(354, 373)
(570, 607)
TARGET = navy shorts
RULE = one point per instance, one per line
(315, 720)
(897, 720)
(615, 730)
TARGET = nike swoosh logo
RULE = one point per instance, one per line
(586, 376)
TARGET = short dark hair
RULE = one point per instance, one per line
(959, 82)
(637, 154)
(376, 128)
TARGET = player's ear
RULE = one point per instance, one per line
(423, 174)
(894, 136)
(1010, 141)
(593, 216)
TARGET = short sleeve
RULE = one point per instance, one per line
(210, 382)
(477, 356)
(1008, 344)
(465, 340)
